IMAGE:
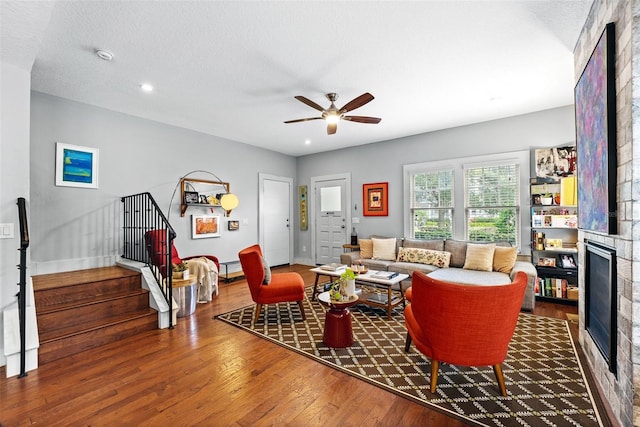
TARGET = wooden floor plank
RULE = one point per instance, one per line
(210, 373)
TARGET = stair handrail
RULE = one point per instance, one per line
(22, 293)
(142, 214)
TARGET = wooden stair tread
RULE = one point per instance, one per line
(97, 300)
(80, 277)
(70, 331)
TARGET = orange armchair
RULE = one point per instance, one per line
(283, 287)
(463, 324)
(156, 242)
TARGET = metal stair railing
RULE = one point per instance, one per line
(142, 214)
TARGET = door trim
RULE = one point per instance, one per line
(312, 205)
(261, 226)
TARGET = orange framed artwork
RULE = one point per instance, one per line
(375, 199)
(203, 226)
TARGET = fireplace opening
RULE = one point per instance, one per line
(600, 299)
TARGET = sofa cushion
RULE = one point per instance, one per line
(435, 244)
(479, 257)
(504, 259)
(376, 264)
(366, 248)
(384, 249)
(470, 277)
(410, 267)
(424, 256)
(458, 250)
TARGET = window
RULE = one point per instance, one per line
(492, 203)
(432, 205)
(471, 198)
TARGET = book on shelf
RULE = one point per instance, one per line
(334, 266)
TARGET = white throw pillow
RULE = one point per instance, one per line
(384, 249)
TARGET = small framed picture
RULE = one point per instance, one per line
(233, 225)
(567, 261)
(76, 166)
(203, 199)
(191, 197)
(546, 261)
(554, 243)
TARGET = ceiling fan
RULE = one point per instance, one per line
(333, 115)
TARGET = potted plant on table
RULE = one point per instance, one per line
(348, 282)
(180, 271)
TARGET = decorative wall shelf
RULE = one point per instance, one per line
(202, 193)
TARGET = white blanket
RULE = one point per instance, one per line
(206, 274)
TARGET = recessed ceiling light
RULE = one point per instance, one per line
(104, 54)
(147, 87)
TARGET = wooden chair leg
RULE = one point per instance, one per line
(304, 317)
(435, 366)
(258, 310)
(407, 343)
(497, 369)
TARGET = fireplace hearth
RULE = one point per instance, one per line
(600, 299)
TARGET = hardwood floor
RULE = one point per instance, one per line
(205, 372)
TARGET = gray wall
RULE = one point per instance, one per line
(74, 228)
(382, 162)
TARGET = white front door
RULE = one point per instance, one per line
(275, 219)
(331, 220)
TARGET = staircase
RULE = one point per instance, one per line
(80, 310)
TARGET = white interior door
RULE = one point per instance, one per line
(331, 220)
(275, 219)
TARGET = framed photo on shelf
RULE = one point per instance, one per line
(546, 262)
(203, 199)
(205, 226)
(554, 243)
(375, 199)
(191, 197)
(567, 261)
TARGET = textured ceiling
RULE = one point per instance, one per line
(231, 69)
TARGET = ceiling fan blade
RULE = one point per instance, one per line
(309, 102)
(331, 128)
(303, 120)
(357, 102)
(362, 119)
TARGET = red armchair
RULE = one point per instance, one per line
(463, 324)
(283, 287)
(156, 242)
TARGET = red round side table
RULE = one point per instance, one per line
(338, 332)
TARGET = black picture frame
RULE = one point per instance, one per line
(595, 108)
(233, 225)
(191, 197)
(567, 261)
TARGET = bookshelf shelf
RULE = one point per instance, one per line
(554, 235)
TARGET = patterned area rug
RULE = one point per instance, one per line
(545, 381)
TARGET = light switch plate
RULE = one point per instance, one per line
(6, 231)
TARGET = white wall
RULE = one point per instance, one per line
(15, 84)
(382, 162)
(76, 228)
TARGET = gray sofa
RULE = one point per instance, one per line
(454, 273)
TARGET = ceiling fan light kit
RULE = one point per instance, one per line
(333, 115)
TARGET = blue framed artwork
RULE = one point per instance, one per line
(595, 104)
(76, 166)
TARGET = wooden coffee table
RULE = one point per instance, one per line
(374, 291)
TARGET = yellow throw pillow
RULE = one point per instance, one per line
(504, 258)
(384, 249)
(366, 248)
(479, 257)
